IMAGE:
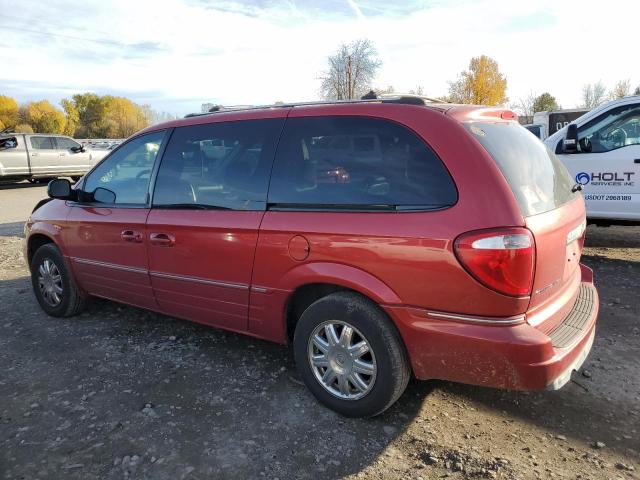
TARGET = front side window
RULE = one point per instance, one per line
(42, 143)
(218, 165)
(614, 129)
(357, 163)
(64, 143)
(126, 172)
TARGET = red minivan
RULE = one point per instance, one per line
(382, 238)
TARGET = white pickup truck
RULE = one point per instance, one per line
(601, 149)
(42, 156)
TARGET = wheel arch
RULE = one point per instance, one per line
(35, 241)
(314, 281)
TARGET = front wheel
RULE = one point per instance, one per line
(350, 355)
(53, 285)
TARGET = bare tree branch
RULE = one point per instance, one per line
(351, 71)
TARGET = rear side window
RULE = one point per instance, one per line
(222, 165)
(357, 162)
(42, 143)
(538, 179)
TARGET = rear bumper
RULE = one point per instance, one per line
(515, 356)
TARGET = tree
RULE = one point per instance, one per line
(593, 95)
(72, 117)
(106, 116)
(123, 117)
(351, 71)
(44, 117)
(524, 106)
(8, 111)
(482, 84)
(23, 128)
(621, 89)
(545, 103)
(419, 90)
(637, 90)
(91, 110)
(384, 91)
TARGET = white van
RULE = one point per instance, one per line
(601, 149)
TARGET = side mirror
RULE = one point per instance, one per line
(60, 188)
(104, 195)
(570, 144)
(78, 149)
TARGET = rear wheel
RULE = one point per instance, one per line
(55, 289)
(350, 355)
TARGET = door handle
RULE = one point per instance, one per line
(162, 239)
(34, 154)
(63, 154)
(131, 236)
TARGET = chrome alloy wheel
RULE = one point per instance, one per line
(50, 282)
(342, 360)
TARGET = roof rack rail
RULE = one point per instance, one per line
(405, 99)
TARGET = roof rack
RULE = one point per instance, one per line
(405, 99)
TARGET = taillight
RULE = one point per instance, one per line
(503, 260)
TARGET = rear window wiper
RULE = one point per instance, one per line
(191, 206)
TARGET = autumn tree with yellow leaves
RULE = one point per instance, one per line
(85, 115)
(481, 84)
(43, 117)
(8, 112)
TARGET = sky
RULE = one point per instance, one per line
(177, 54)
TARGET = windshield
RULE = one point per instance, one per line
(539, 181)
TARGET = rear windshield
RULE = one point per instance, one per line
(539, 181)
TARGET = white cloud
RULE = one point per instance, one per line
(176, 54)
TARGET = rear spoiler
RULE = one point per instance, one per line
(476, 112)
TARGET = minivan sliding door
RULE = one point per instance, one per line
(208, 202)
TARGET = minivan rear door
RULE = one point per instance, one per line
(551, 206)
(207, 207)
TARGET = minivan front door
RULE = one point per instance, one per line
(106, 242)
(208, 203)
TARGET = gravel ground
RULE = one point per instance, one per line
(122, 393)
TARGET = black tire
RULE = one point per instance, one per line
(393, 370)
(72, 300)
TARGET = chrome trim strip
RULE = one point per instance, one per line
(480, 320)
(259, 289)
(109, 265)
(170, 276)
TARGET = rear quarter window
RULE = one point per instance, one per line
(357, 162)
(538, 179)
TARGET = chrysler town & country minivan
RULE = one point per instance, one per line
(440, 241)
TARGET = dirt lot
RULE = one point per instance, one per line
(123, 393)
